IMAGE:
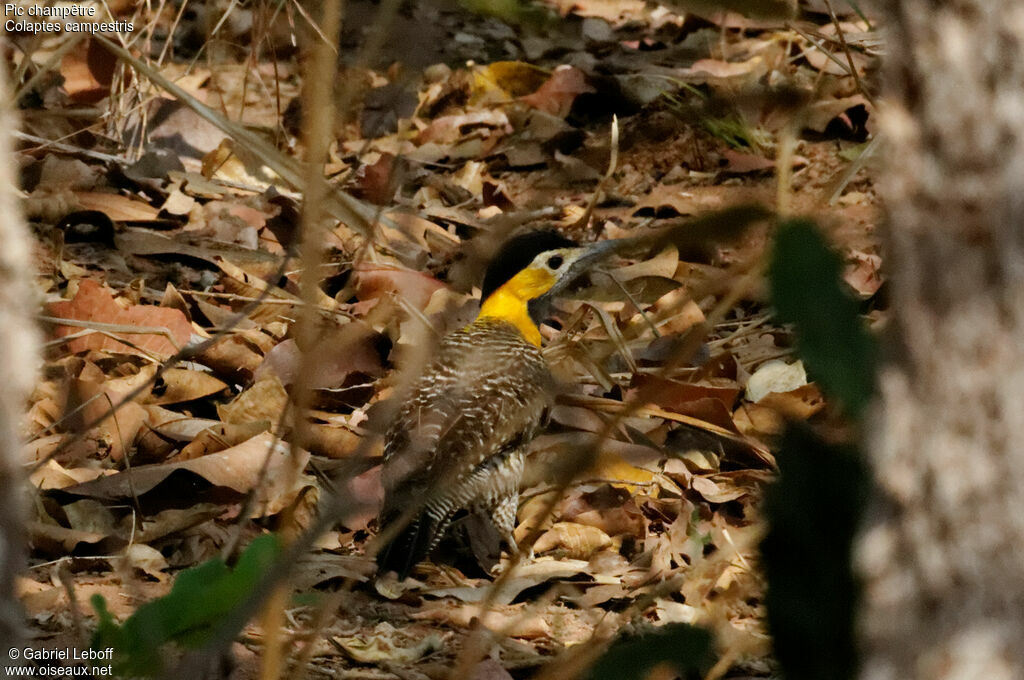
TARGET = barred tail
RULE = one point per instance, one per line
(411, 546)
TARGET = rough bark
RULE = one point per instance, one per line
(19, 348)
(943, 557)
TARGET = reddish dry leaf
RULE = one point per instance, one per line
(743, 163)
(366, 494)
(613, 510)
(376, 182)
(557, 95)
(338, 355)
(94, 303)
(373, 281)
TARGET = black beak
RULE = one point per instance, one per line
(592, 255)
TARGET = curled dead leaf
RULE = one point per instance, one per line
(578, 541)
(386, 644)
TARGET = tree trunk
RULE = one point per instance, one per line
(19, 347)
(943, 553)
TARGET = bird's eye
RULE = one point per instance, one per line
(555, 261)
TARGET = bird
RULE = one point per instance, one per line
(455, 452)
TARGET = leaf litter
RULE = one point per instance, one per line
(663, 528)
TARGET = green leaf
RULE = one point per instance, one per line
(813, 511)
(685, 648)
(831, 338)
(187, 615)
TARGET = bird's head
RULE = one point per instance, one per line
(529, 271)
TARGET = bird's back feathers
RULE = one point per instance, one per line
(458, 440)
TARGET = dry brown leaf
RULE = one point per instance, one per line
(676, 313)
(664, 265)
(332, 441)
(734, 74)
(237, 469)
(742, 163)
(798, 404)
(775, 376)
(511, 620)
(714, 492)
(53, 475)
(613, 467)
(756, 419)
(117, 207)
(173, 520)
(179, 384)
(233, 357)
(60, 541)
(88, 71)
(265, 400)
(220, 437)
(449, 129)
(526, 575)
(819, 114)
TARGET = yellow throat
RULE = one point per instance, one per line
(510, 301)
